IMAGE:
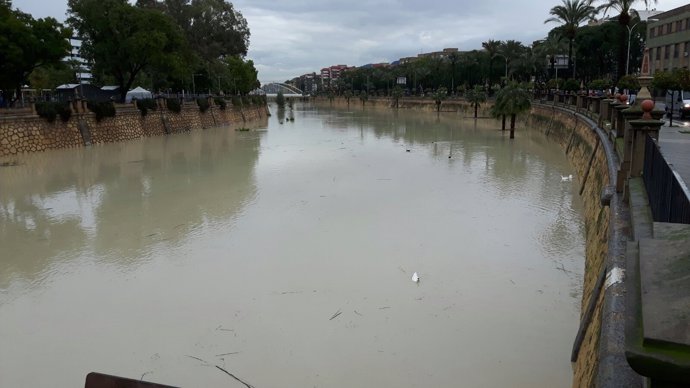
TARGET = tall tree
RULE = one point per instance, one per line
(124, 40)
(213, 27)
(570, 15)
(492, 48)
(511, 51)
(625, 15)
(476, 97)
(512, 100)
(27, 44)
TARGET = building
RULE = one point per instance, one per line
(668, 40)
(81, 67)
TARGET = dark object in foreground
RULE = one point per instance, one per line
(99, 380)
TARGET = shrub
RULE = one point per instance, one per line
(236, 101)
(571, 85)
(599, 84)
(46, 110)
(280, 99)
(145, 105)
(50, 110)
(102, 109)
(220, 102)
(203, 104)
(173, 105)
(629, 82)
(245, 100)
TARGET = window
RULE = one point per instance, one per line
(676, 49)
(658, 53)
(651, 32)
(667, 51)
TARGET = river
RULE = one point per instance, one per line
(285, 256)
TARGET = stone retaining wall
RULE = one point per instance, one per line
(579, 141)
(30, 133)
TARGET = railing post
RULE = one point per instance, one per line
(640, 128)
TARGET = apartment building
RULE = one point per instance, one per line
(668, 40)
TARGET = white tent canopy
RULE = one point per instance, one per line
(139, 93)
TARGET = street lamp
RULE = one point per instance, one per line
(630, 30)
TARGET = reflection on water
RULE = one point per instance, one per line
(285, 256)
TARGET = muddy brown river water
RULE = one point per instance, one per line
(285, 256)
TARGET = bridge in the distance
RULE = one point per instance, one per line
(271, 89)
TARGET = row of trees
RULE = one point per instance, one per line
(170, 44)
(595, 52)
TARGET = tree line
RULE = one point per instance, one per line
(596, 56)
(165, 45)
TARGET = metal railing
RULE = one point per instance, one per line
(667, 194)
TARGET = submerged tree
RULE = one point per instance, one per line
(439, 96)
(476, 97)
(512, 100)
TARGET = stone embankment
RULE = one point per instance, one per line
(27, 132)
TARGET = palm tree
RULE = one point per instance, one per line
(512, 100)
(491, 47)
(626, 14)
(571, 14)
(475, 97)
(439, 95)
(511, 50)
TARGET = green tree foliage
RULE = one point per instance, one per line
(492, 48)
(123, 40)
(396, 94)
(241, 74)
(571, 14)
(49, 110)
(102, 109)
(628, 82)
(27, 44)
(439, 96)
(280, 99)
(476, 97)
(626, 12)
(512, 100)
(215, 27)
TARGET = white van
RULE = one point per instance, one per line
(679, 102)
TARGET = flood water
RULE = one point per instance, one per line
(285, 255)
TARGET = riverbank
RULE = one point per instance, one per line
(30, 133)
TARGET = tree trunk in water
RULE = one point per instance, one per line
(512, 126)
(503, 122)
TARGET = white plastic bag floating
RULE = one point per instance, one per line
(415, 277)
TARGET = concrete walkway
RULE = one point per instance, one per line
(675, 146)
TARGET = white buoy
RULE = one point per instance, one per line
(415, 277)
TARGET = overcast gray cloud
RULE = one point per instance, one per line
(293, 37)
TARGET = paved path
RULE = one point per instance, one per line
(675, 146)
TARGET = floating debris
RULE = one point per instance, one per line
(415, 277)
(567, 178)
(335, 315)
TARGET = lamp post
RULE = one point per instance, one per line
(630, 30)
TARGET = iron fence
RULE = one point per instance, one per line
(667, 195)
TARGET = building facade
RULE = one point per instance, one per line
(668, 40)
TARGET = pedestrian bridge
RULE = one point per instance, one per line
(271, 89)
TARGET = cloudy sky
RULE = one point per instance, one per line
(293, 37)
